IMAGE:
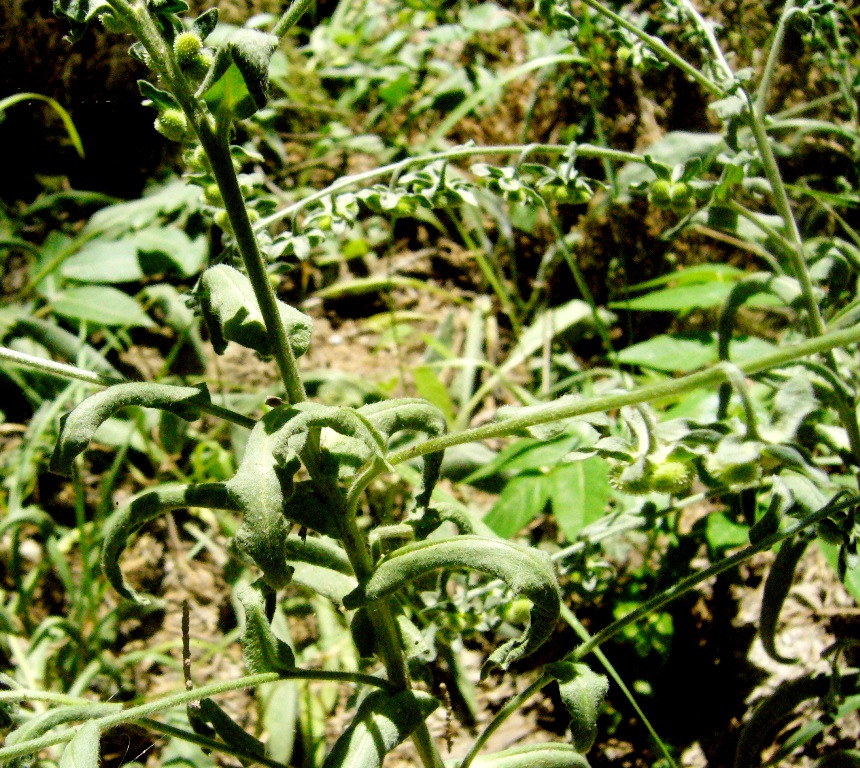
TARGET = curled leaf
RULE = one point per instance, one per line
(239, 81)
(776, 587)
(262, 649)
(527, 572)
(363, 634)
(534, 756)
(582, 692)
(382, 721)
(78, 427)
(126, 521)
(414, 415)
(231, 313)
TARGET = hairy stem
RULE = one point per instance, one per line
(709, 377)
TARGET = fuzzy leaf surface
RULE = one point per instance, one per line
(78, 427)
(231, 313)
(582, 692)
(262, 650)
(380, 724)
(527, 572)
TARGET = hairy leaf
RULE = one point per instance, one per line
(231, 313)
(262, 650)
(145, 507)
(582, 692)
(240, 81)
(534, 756)
(776, 587)
(414, 415)
(227, 728)
(527, 572)
(382, 721)
(83, 750)
(78, 427)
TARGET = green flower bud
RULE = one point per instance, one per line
(676, 195)
(172, 124)
(212, 195)
(199, 66)
(199, 161)
(734, 474)
(672, 476)
(186, 47)
(622, 478)
(223, 221)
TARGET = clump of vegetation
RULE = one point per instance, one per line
(353, 506)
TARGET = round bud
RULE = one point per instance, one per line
(186, 47)
(172, 124)
(661, 193)
(324, 222)
(199, 160)
(636, 484)
(199, 66)
(672, 476)
(253, 215)
(212, 195)
(734, 474)
(405, 207)
(223, 221)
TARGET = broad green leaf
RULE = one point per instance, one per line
(382, 721)
(671, 353)
(100, 305)
(129, 259)
(430, 387)
(722, 533)
(231, 313)
(679, 298)
(578, 492)
(522, 500)
(582, 692)
(241, 73)
(528, 572)
(83, 750)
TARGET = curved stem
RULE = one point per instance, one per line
(503, 714)
(709, 377)
(772, 57)
(101, 380)
(184, 697)
(685, 585)
(347, 182)
(291, 17)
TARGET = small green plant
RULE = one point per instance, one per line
(309, 465)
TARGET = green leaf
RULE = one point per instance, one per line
(100, 305)
(262, 650)
(231, 313)
(83, 750)
(40, 724)
(128, 259)
(522, 500)
(126, 521)
(578, 492)
(160, 98)
(68, 124)
(206, 22)
(671, 353)
(430, 387)
(528, 572)
(382, 721)
(779, 580)
(534, 756)
(582, 692)
(679, 298)
(241, 73)
(78, 427)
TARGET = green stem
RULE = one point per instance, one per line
(708, 378)
(291, 17)
(659, 47)
(772, 58)
(101, 380)
(347, 182)
(175, 700)
(685, 585)
(503, 714)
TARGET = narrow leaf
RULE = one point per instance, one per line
(101, 305)
(776, 587)
(262, 650)
(83, 750)
(78, 427)
(534, 756)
